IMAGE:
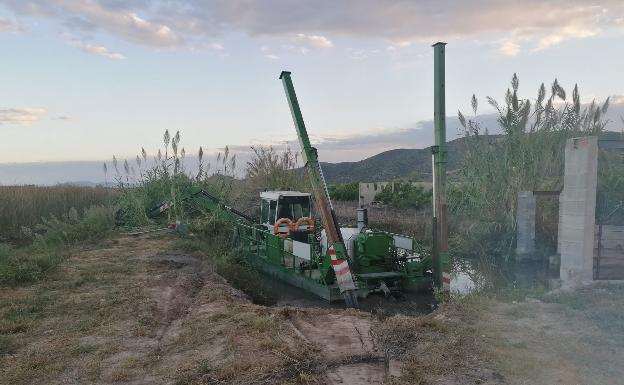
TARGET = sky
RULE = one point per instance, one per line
(82, 80)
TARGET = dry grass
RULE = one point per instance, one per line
(438, 348)
(132, 311)
(124, 313)
(26, 205)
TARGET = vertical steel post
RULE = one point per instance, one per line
(440, 210)
(336, 248)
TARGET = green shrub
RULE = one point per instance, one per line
(19, 267)
(26, 205)
(131, 208)
(610, 197)
(70, 229)
(30, 264)
(345, 192)
(404, 195)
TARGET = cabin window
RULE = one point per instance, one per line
(264, 211)
(294, 207)
(272, 206)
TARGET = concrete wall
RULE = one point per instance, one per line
(368, 190)
(525, 225)
(577, 211)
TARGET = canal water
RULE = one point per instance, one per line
(467, 276)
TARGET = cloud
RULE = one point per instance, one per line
(509, 25)
(91, 48)
(115, 17)
(530, 25)
(268, 53)
(26, 116)
(10, 26)
(316, 41)
(101, 51)
(509, 48)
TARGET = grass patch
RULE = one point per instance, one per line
(18, 267)
(202, 373)
(20, 314)
(51, 239)
(572, 300)
(231, 266)
(24, 206)
(82, 349)
(7, 345)
(95, 223)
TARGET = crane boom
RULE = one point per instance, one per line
(336, 249)
(202, 199)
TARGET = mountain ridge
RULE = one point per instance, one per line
(392, 164)
(410, 162)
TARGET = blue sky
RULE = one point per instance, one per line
(86, 79)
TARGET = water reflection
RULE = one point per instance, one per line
(470, 275)
(466, 276)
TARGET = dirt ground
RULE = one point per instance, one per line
(136, 311)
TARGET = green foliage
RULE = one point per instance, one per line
(18, 267)
(95, 223)
(164, 179)
(529, 156)
(345, 191)
(404, 195)
(269, 169)
(25, 265)
(26, 205)
(132, 205)
(610, 195)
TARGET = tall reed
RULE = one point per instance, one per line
(528, 156)
(25, 206)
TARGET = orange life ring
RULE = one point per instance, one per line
(276, 227)
(308, 220)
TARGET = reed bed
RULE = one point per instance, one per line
(24, 206)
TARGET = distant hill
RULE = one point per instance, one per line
(416, 163)
(393, 164)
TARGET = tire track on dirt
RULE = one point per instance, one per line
(348, 346)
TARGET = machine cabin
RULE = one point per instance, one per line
(276, 205)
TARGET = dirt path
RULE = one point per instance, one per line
(569, 338)
(131, 311)
(135, 311)
(349, 348)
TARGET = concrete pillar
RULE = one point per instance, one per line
(577, 211)
(525, 225)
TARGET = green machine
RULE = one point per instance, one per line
(316, 253)
(287, 243)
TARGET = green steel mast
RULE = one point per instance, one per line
(336, 248)
(440, 209)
